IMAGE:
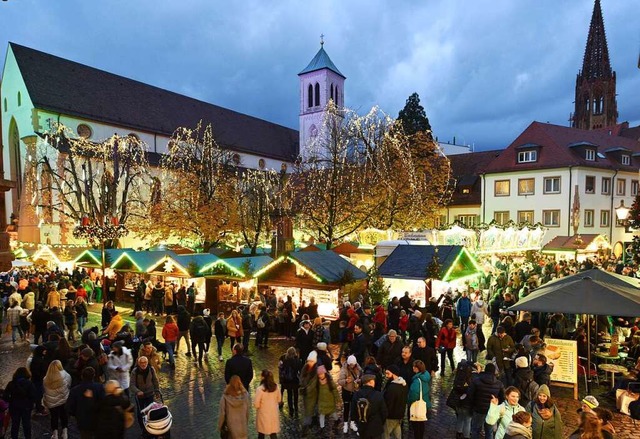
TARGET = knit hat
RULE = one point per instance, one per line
(522, 362)
(351, 360)
(395, 370)
(206, 312)
(313, 357)
(590, 401)
(322, 346)
(367, 378)
(544, 389)
(321, 369)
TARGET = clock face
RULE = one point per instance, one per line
(84, 131)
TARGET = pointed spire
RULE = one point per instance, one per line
(596, 62)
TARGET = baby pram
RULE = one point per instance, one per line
(157, 419)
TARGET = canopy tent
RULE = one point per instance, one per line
(592, 291)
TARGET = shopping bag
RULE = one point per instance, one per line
(623, 398)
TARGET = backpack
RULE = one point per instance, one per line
(362, 410)
(528, 391)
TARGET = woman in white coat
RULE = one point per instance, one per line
(119, 365)
(57, 383)
(267, 403)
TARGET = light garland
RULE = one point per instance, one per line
(97, 232)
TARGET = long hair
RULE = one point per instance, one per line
(268, 381)
(21, 372)
(235, 387)
(590, 426)
(292, 353)
(53, 378)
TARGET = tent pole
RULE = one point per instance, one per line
(588, 354)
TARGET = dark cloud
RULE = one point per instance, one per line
(484, 69)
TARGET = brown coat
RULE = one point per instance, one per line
(234, 327)
(235, 410)
(268, 411)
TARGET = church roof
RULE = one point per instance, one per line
(596, 63)
(59, 85)
(319, 62)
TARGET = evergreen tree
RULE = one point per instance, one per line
(413, 117)
(634, 213)
(378, 290)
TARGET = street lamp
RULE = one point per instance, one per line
(622, 213)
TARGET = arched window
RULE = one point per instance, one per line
(331, 91)
(310, 96)
(19, 99)
(317, 94)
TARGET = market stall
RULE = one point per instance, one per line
(578, 247)
(232, 281)
(132, 267)
(428, 271)
(323, 275)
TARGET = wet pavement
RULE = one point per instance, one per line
(192, 394)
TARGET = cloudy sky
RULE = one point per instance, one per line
(484, 69)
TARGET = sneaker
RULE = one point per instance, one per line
(220, 358)
(353, 426)
(345, 427)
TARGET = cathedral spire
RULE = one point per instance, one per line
(596, 62)
(595, 104)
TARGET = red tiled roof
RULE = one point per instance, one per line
(569, 242)
(554, 151)
(466, 169)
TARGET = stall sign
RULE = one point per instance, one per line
(563, 355)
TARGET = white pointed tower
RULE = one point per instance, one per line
(320, 82)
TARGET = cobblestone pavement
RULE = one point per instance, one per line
(193, 393)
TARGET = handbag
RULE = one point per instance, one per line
(624, 397)
(418, 409)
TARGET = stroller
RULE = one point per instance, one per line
(156, 419)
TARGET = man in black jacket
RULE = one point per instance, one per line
(482, 389)
(395, 397)
(239, 365)
(390, 350)
(426, 354)
(84, 400)
(184, 322)
(369, 410)
(405, 364)
(304, 339)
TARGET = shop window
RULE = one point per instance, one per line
(502, 188)
(526, 186)
(588, 217)
(551, 218)
(589, 184)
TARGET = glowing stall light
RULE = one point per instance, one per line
(306, 270)
(226, 264)
(121, 257)
(477, 267)
(268, 267)
(88, 253)
(44, 252)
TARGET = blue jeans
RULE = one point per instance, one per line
(82, 320)
(463, 421)
(477, 424)
(472, 355)
(171, 347)
(15, 329)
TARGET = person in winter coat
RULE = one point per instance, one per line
(119, 364)
(379, 315)
(471, 344)
(170, 334)
(541, 370)
(421, 381)
(29, 301)
(328, 398)
(479, 311)
(425, 353)
(115, 325)
(501, 346)
(309, 389)
(107, 312)
(110, 413)
(206, 316)
(523, 380)
(234, 409)
(148, 350)
(289, 368)
(184, 321)
(57, 384)
(446, 343)
(13, 318)
(200, 332)
(390, 350)
(53, 299)
(263, 324)
(459, 401)
(82, 313)
(84, 400)
(70, 320)
(480, 394)
(267, 403)
(520, 427)
(20, 394)
(395, 396)
(144, 385)
(304, 339)
(376, 413)
(463, 310)
(220, 331)
(38, 368)
(547, 420)
(349, 381)
(239, 365)
(39, 318)
(502, 414)
(234, 328)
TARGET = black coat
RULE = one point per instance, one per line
(241, 366)
(482, 388)
(304, 342)
(406, 370)
(428, 356)
(360, 347)
(542, 374)
(388, 352)
(84, 408)
(184, 319)
(20, 394)
(395, 397)
(110, 417)
(376, 414)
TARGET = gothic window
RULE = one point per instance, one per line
(331, 91)
(19, 99)
(586, 104)
(310, 96)
(317, 94)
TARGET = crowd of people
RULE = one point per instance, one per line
(376, 378)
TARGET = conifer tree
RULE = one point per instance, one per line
(413, 117)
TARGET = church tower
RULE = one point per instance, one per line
(596, 105)
(320, 82)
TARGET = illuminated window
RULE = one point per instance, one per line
(588, 217)
(525, 216)
(552, 185)
(502, 188)
(501, 217)
(526, 186)
(551, 218)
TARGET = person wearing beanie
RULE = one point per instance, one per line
(309, 389)
(328, 400)
(547, 420)
(349, 380)
(524, 380)
(323, 356)
(589, 403)
(395, 396)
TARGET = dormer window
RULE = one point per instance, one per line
(590, 155)
(466, 190)
(529, 156)
(626, 159)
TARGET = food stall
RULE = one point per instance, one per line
(132, 267)
(578, 247)
(428, 271)
(232, 281)
(323, 275)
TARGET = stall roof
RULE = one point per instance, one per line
(237, 265)
(571, 243)
(142, 261)
(411, 261)
(327, 265)
(93, 258)
(182, 263)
